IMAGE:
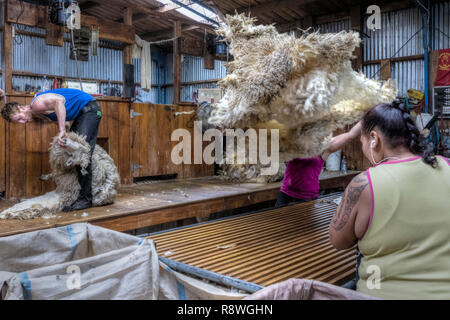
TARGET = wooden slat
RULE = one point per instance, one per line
(265, 247)
(148, 205)
(124, 132)
(54, 35)
(34, 159)
(48, 132)
(36, 16)
(176, 62)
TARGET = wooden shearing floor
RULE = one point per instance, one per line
(266, 247)
(143, 205)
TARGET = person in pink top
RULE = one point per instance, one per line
(301, 179)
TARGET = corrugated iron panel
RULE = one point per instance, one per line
(168, 95)
(396, 28)
(334, 27)
(408, 75)
(137, 71)
(147, 97)
(169, 68)
(372, 71)
(33, 55)
(441, 25)
(192, 69)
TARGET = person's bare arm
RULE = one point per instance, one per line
(56, 103)
(341, 140)
(342, 227)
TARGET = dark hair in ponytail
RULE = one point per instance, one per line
(397, 125)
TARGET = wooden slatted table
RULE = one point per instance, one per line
(266, 247)
(141, 206)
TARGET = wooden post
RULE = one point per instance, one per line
(128, 50)
(356, 23)
(176, 62)
(385, 73)
(8, 54)
(7, 65)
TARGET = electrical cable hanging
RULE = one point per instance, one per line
(397, 52)
(76, 59)
(17, 26)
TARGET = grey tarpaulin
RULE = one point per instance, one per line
(44, 265)
(303, 289)
(47, 264)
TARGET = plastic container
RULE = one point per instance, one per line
(334, 161)
(45, 85)
(344, 165)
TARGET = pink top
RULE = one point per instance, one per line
(301, 179)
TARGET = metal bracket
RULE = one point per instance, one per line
(135, 167)
(134, 114)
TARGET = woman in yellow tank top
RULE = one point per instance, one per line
(398, 211)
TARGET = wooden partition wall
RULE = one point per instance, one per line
(24, 148)
(151, 147)
(143, 141)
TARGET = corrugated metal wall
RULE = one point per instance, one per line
(31, 54)
(192, 70)
(396, 28)
(143, 96)
(391, 41)
(441, 26)
(335, 26)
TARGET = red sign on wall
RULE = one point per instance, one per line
(443, 72)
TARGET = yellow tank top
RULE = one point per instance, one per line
(406, 249)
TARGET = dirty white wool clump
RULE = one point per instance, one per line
(305, 85)
(63, 162)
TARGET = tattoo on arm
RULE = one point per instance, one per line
(351, 196)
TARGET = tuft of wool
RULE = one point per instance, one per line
(305, 84)
(63, 162)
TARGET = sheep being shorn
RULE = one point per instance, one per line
(305, 85)
(63, 161)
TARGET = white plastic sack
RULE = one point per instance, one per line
(79, 261)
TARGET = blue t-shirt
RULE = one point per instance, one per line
(75, 101)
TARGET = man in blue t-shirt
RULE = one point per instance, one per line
(61, 105)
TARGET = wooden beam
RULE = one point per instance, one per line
(128, 50)
(128, 20)
(7, 52)
(168, 16)
(396, 59)
(191, 46)
(356, 21)
(176, 62)
(167, 33)
(168, 7)
(385, 71)
(88, 5)
(36, 16)
(216, 9)
(136, 17)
